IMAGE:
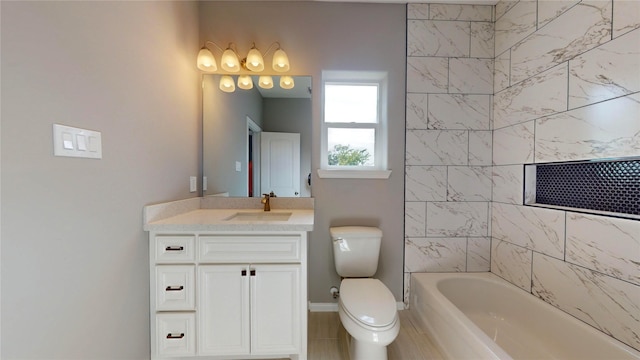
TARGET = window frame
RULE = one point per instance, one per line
(379, 169)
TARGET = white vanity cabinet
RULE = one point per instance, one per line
(228, 294)
(255, 314)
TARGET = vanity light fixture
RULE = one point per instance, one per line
(230, 62)
(253, 63)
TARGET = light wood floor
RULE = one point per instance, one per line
(327, 339)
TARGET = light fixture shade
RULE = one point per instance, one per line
(254, 60)
(229, 61)
(245, 82)
(280, 61)
(206, 61)
(226, 84)
(286, 82)
(265, 82)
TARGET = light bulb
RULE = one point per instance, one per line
(286, 82)
(230, 61)
(206, 60)
(265, 82)
(226, 84)
(254, 60)
(245, 82)
(280, 61)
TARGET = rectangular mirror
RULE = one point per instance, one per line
(256, 141)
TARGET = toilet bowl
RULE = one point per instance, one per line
(367, 310)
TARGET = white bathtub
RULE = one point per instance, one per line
(481, 316)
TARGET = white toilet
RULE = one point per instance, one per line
(367, 308)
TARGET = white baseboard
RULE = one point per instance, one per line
(323, 307)
(333, 307)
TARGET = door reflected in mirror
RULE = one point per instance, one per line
(256, 141)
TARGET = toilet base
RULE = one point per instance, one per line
(364, 351)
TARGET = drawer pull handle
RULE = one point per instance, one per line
(253, 273)
(174, 248)
(175, 288)
(243, 273)
(175, 336)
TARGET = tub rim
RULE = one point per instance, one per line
(431, 280)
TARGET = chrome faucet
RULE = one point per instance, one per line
(265, 201)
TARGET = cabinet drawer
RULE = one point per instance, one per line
(175, 287)
(176, 334)
(248, 248)
(174, 249)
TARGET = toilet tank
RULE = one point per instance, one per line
(356, 250)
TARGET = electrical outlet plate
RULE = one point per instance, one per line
(76, 142)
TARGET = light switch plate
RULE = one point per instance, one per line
(76, 142)
(193, 184)
(238, 166)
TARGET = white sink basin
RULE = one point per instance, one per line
(260, 216)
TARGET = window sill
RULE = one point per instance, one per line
(354, 174)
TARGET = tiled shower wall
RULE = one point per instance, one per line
(566, 86)
(567, 83)
(448, 146)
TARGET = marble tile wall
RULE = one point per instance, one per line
(448, 177)
(567, 87)
(490, 89)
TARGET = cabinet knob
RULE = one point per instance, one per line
(175, 288)
(251, 272)
(175, 336)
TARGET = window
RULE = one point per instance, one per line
(354, 119)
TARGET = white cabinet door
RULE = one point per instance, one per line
(223, 310)
(275, 309)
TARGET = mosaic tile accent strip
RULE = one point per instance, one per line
(612, 186)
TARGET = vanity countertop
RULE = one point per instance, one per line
(216, 220)
(189, 215)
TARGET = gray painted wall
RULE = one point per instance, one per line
(334, 36)
(74, 255)
(225, 135)
(75, 266)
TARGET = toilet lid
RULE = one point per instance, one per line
(368, 301)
